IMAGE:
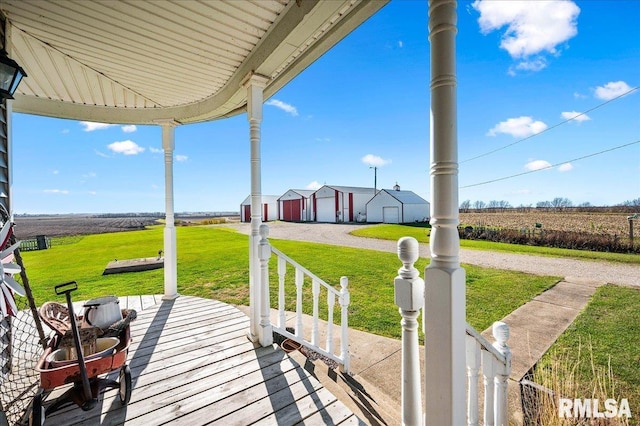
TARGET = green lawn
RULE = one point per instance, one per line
(599, 354)
(213, 263)
(395, 232)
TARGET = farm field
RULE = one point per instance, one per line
(65, 225)
(611, 224)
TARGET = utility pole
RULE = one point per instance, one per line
(375, 179)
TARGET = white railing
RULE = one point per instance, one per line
(301, 278)
(493, 360)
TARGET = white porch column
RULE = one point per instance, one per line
(444, 311)
(170, 250)
(255, 84)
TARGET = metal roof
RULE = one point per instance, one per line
(352, 189)
(137, 62)
(405, 197)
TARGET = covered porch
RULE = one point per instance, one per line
(203, 61)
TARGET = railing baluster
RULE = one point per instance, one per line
(344, 323)
(299, 282)
(473, 372)
(488, 372)
(282, 271)
(501, 334)
(315, 289)
(331, 301)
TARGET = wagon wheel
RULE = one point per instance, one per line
(125, 385)
(37, 410)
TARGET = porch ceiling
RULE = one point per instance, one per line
(137, 62)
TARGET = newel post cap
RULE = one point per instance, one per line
(408, 286)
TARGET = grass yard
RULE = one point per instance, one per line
(598, 356)
(395, 232)
(213, 263)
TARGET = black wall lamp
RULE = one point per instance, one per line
(10, 75)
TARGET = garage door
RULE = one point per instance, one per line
(247, 213)
(391, 215)
(326, 210)
(291, 210)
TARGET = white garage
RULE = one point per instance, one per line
(269, 208)
(336, 204)
(396, 206)
(295, 205)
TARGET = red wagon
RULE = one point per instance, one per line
(84, 373)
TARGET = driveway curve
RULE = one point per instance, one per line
(339, 234)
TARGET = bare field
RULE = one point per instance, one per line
(591, 223)
(55, 226)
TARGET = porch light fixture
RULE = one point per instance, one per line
(10, 75)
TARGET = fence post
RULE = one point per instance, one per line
(345, 299)
(500, 332)
(409, 296)
(264, 254)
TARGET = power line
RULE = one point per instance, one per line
(551, 166)
(552, 127)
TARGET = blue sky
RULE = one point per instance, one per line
(521, 76)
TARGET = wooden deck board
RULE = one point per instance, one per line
(192, 364)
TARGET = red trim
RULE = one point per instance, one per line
(337, 205)
(266, 212)
(351, 207)
(315, 207)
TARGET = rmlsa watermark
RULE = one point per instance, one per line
(587, 408)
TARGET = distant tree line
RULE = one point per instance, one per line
(558, 204)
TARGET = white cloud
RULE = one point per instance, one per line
(323, 140)
(518, 127)
(400, 44)
(55, 172)
(283, 106)
(155, 150)
(532, 27)
(93, 192)
(90, 126)
(56, 191)
(575, 116)
(65, 131)
(127, 147)
(181, 158)
(534, 65)
(566, 167)
(374, 160)
(537, 165)
(100, 154)
(314, 185)
(129, 128)
(612, 90)
(89, 175)
(578, 95)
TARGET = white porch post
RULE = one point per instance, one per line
(170, 251)
(444, 312)
(255, 84)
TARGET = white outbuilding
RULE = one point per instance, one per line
(396, 206)
(295, 205)
(269, 208)
(336, 204)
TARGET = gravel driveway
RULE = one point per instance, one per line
(338, 234)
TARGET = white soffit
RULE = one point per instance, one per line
(141, 61)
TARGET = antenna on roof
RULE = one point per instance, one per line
(396, 187)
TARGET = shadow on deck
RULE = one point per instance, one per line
(192, 363)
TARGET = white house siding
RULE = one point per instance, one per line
(269, 208)
(390, 206)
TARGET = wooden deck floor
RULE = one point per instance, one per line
(192, 364)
